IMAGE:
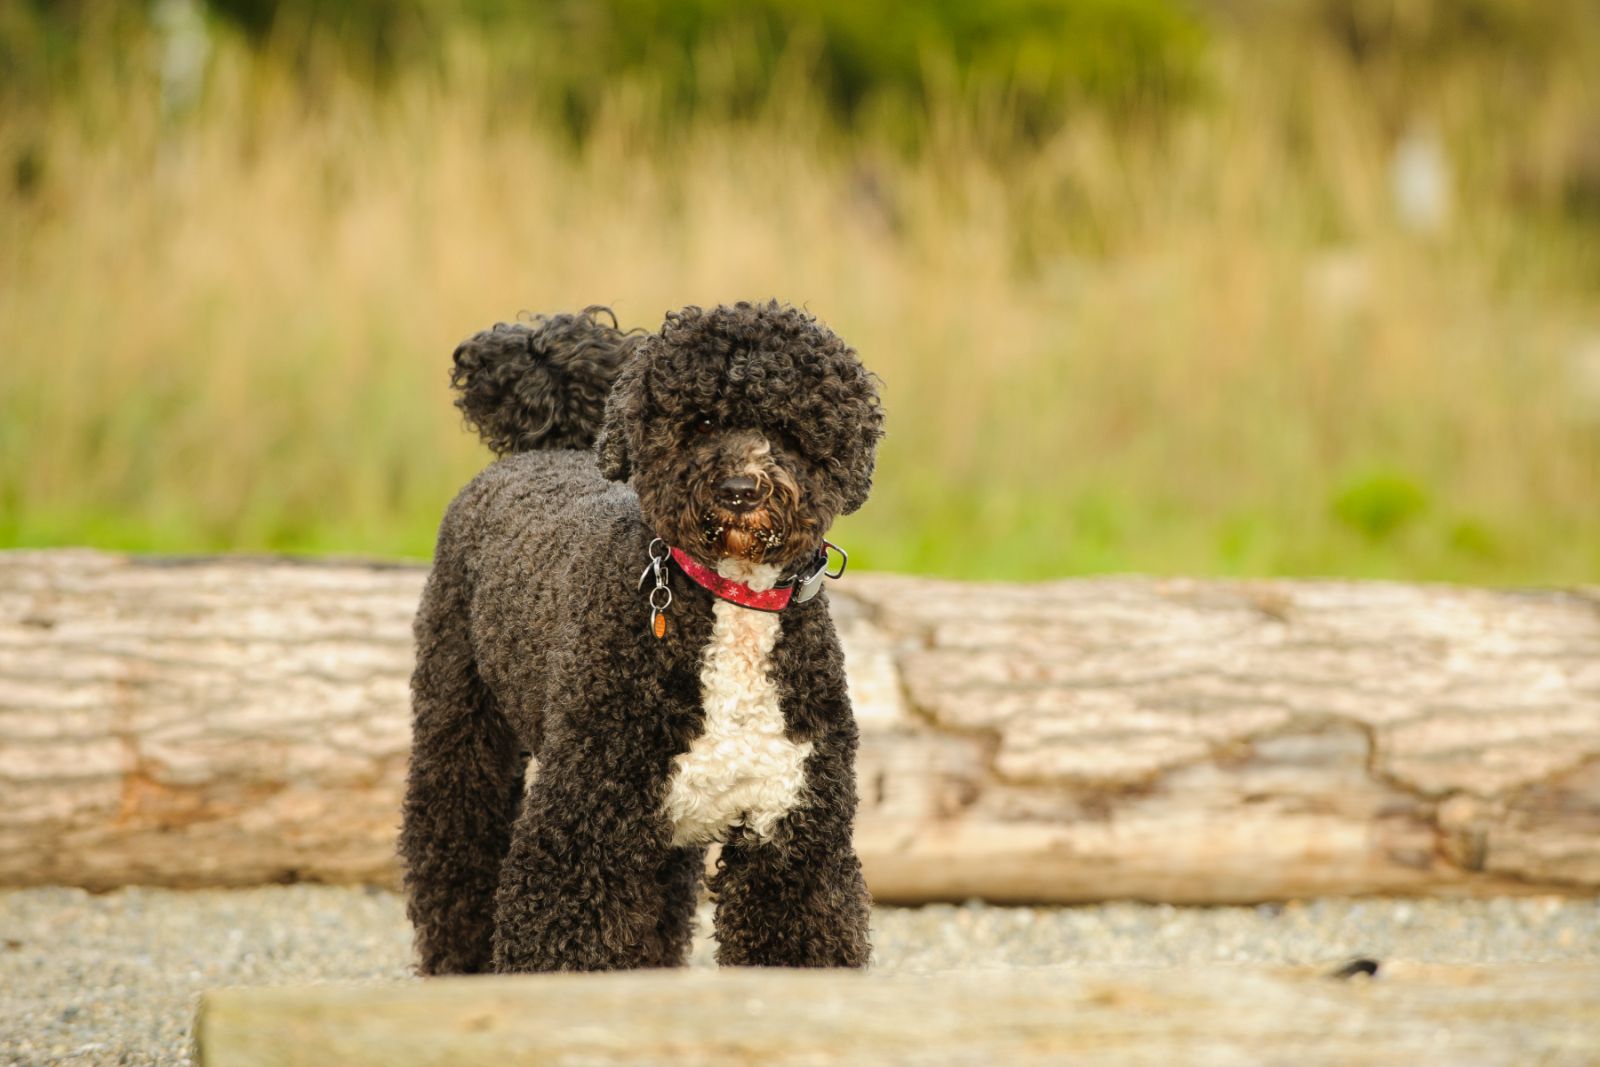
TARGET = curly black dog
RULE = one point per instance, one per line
(702, 702)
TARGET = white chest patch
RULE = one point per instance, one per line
(742, 769)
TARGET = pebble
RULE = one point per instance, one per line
(112, 978)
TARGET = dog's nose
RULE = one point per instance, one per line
(739, 493)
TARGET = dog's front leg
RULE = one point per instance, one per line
(798, 900)
(591, 882)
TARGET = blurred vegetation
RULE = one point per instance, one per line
(1286, 287)
(721, 58)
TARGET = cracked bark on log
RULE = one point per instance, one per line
(232, 721)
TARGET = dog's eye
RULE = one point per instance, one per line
(787, 441)
(704, 426)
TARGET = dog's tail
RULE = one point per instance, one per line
(542, 383)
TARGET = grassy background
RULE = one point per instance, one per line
(1167, 323)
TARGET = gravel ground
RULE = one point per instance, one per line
(112, 979)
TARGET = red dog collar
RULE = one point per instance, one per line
(791, 591)
(796, 589)
(775, 599)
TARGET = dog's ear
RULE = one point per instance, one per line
(857, 497)
(860, 485)
(611, 447)
(865, 415)
(611, 444)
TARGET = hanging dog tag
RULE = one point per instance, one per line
(661, 596)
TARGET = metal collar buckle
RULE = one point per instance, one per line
(809, 580)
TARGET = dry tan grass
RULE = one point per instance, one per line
(1204, 348)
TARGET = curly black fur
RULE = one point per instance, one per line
(540, 385)
(766, 367)
(533, 637)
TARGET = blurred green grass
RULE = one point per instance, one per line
(1193, 338)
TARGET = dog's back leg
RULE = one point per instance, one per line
(463, 789)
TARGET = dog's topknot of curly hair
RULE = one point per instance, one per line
(542, 383)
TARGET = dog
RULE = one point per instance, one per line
(630, 598)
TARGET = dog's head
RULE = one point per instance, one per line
(746, 431)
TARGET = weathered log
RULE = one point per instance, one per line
(1444, 1016)
(233, 721)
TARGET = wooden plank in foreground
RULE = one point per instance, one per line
(1440, 1016)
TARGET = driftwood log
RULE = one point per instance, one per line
(1219, 1017)
(236, 721)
